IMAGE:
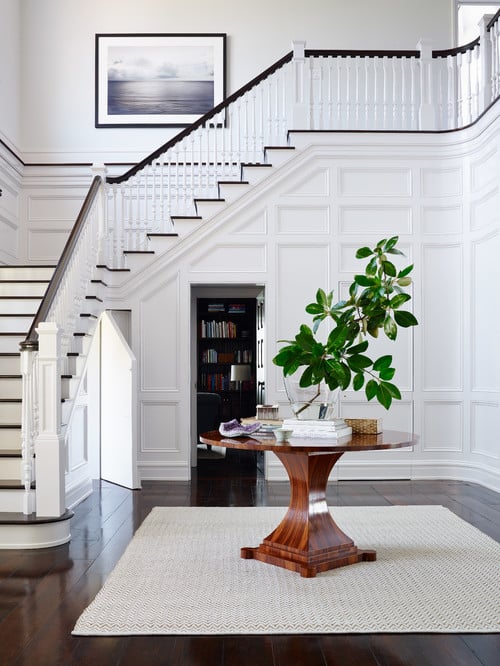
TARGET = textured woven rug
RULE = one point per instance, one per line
(182, 574)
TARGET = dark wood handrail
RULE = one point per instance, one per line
(458, 49)
(201, 121)
(31, 340)
(342, 53)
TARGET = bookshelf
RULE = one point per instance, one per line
(227, 336)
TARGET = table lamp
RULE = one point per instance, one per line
(240, 374)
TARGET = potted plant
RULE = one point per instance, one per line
(374, 304)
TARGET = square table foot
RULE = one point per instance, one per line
(308, 570)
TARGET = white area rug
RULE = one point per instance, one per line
(182, 574)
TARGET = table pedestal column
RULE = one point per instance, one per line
(308, 540)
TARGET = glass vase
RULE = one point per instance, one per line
(317, 402)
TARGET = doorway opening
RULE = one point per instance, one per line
(227, 361)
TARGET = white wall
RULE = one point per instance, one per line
(58, 55)
(10, 71)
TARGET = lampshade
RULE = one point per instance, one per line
(240, 373)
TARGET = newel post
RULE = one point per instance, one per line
(485, 55)
(301, 88)
(50, 458)
(101, 171)
(427, 111)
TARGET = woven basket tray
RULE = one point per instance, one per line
(365, 426)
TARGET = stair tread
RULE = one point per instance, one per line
(10, 426)
(17, 518)
(10, 399)
(10, 453)
(13, 484)
(19, 298)
(25, 282)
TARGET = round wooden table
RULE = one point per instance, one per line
(308, 540)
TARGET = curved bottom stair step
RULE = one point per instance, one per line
(18, 530)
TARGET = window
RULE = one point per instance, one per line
(468, 16)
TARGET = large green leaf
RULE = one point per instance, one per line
(358, 362)
(405, 319)
(384, 396)
(358, 381)
(398, 300)
(382, 362)
(392, 389)
(387, 373)
(403, 273)
(364, 281)
(371, 389)
(389, 268)
(363, 252)
(358, 349)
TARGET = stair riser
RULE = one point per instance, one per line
(10, 412)
(74, 365)
(19, 306)
(11, 468)
(136, 262)
(13, 500)
(10, 439)
(279, 156)
(91, 306)
(26, 272)
(232, 192)
(10, 324)
(10, 387)
(10, 365)
(81, 345)
(186, 226)
(23, 288)
(254, 174)
(162, 244)
(10, 343)
(208, 209)
(86, 324)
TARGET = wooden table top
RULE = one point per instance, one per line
(388, 439)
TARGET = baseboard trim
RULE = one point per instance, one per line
(400, 470)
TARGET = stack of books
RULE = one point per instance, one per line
(334, 429)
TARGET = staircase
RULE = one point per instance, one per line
(21, 291)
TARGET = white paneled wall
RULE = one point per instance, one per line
(297, 231)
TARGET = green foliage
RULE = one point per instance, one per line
(375, 301)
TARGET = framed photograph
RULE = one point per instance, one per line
(150, 80)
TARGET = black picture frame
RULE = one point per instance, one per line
(158, 80)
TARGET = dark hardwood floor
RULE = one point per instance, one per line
(43, 592)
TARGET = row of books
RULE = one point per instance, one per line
(218, 329)
(216, 382)
(237, 356)
(232, 308)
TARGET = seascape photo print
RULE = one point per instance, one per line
(157, 80)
